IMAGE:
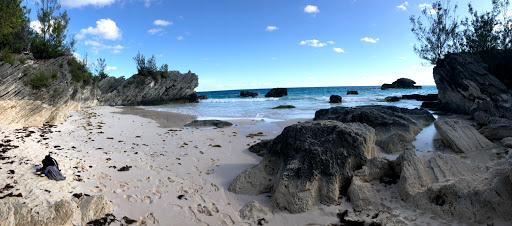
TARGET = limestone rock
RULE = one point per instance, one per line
(253, 211)
(260, 148)
(209, 123)
(352, 92)
(15, 212)
(93, 207)
(461, 136)
(507, 142)
(277, 92)
(497, 129)
(401, 83)
(396, 128)
(335, 99)
(468, 84)
(309, 163)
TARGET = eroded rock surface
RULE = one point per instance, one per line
(309, 163)
(396, 128)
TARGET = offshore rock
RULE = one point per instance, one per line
(401, 83)
(277, 92)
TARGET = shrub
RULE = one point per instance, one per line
(42, 79)
(149, 68)
(79, 72)
(7, 56)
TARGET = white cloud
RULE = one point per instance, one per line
(311, 9)
(36, 26)
(331, 42)
(105, 28)
(162, 23)
(370, 40)
(427, 7)
(314, 43)
(155, 31)
(180, 38)
(271, 28)
(82, 3)
(403, 6)
(99, 46)
(110, 68)
(338, 50)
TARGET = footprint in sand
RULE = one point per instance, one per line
(147, 199)
(131, 198)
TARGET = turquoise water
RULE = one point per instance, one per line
(228, 105)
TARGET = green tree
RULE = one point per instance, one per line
(51, 39)
(436, 31)
(100, 68)
(505, 26)
(480, 33)
(14, 26)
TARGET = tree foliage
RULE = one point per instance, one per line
(149, 67)
(101, 67)
(14, 26)
(436, 31)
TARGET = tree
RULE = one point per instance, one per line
(100, 68)
(505, 26)
(436, 31)
(51, 39)
(14, 26)
(140, 60)
(164, 69)
(480, 33)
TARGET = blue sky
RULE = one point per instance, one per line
(237, 44)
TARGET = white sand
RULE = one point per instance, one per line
(166, 164)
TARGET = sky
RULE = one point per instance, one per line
(242, 44)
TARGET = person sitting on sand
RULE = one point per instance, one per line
(51, 169)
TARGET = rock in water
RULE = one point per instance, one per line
(468, 84)
(335, 99)
(392, 99)
(352, 92)
(209, 123)
(277, 92)
(401, 83)
(309, 163)
(396, 128)
(246, 93)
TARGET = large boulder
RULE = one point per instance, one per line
(309, 163)
(468, 84)
(335, 99)
(461, 136)
(401, 83)
(396, 128)
(277, 92)
(245, 93)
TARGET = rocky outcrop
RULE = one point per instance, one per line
(245, 93)
(352, 92)
(448, 185)
(22, 104)
(396, 128)
(461, 136)
(468, 84)
(309, 163)
(209, 123)
(392, 99)
(335, 99)
(277, 92)
(141, 90)
(16, 212)
(401, 83)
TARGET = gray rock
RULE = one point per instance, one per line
(497, 129)
(209, 123)
(419, 97)
(93, 207)
(392, 99)
(335, 99)
(140, 90)
(277, 92)
(401, 83)
(467, 85)
(253, 211)
(261, 148)
(352, 92)
(309, 163)
(507, 142)
(461, 136)
(396, 128)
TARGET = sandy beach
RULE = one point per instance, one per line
(150, 167)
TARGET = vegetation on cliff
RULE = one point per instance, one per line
(439, 32)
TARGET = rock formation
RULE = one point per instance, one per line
(392, 99)
(396, 128)
(245, 93)
(277, 92)
(140, 90)
(23, 105)
(352, 92)
(309, 163)
(335, 99)
(467, 84)
(209, 123)
(401, 83)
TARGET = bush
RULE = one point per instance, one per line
(149, 68)
(42, 79)
(42, 49)
(79, 72)
(7, 56)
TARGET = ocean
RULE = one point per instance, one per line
(228, 105)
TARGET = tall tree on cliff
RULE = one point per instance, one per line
(50, 41)
(14, 26)
(436, 30)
